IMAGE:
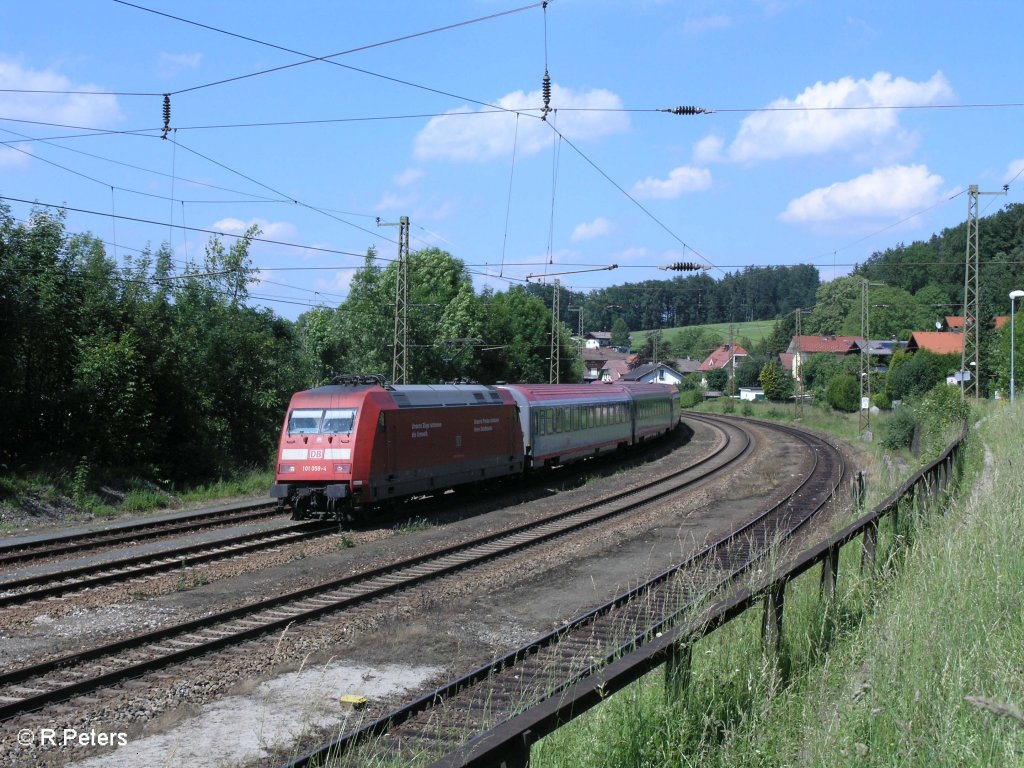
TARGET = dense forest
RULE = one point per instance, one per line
(751, 294)
(135, 364)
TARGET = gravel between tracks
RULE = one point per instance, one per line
(449, 626)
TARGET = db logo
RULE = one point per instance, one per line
(316, 454)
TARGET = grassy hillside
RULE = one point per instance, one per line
(919, 666)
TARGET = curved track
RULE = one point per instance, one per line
(441, 721)
(36, 686)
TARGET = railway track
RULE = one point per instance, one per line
(36, 686)
(73, 543)
(441, 721)
(46, 585)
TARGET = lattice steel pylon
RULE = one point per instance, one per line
(864, 414)
(400, 341)
(970, 356)
(798, 365)
(556, 341)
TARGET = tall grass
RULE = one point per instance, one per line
(917, 664)
(81, 495)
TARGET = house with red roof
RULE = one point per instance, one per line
(723, 357)
(953, 323)
(939, 342)
(802, 347)
(726, 356)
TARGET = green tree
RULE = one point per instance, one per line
(367, 320)
(843, 393)
(748, 371)
(833, 305)
(322, 345)
(516, 330)
(912, 375)
(776, 383)
(718, 379)
(620, 333)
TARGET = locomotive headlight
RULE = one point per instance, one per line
(341, 467)
(286, 468)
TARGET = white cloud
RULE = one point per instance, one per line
(680, 180)
(840, 115)
(468, 136)
(408, 176)
(588, 230)
(269, 230)
(708, 150)
(64, 108)
(389, 201)
(1014, 171)
(881, 195)
(340, 282)
(171, 64)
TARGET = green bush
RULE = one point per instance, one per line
(689, 383)
(899, 429)
(943, 412)
(690, 398)
(843, 393)
(717, 379)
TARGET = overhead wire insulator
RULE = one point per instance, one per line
(687, 111)
(167, 115)
(683, 266)
(546, 91)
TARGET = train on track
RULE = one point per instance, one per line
(349, 447)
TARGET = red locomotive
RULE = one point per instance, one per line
(349, 446)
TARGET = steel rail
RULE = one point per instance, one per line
(322, 599)
(41, 586)
(515, 665)
(66, 544)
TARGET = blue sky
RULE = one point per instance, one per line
(835, 129)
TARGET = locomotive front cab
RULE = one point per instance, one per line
(314, 469)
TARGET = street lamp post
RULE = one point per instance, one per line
(1013, 338)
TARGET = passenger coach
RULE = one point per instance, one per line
(567, 422)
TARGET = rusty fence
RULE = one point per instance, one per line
(509, 743)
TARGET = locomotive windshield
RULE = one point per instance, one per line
(338, 420)
(320, 421)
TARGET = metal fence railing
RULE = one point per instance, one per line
(508, 744)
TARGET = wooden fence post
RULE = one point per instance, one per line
(771, 625)
(830, 574)
(518, 753)
(867, 559)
